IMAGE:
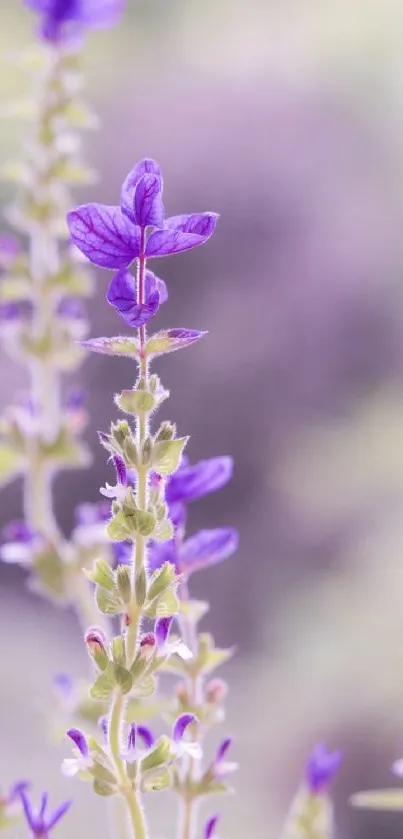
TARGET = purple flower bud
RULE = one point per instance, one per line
(147, 166)
(148, 207)
(161, 630)
(147, 645)
(181, 725)
(216, 691)
(223, 748)
(321, 768)
(209, 827)
(95, 641)
(79, 739)
(221, 767)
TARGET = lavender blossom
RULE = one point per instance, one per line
(39, 822)
(82, 761)
(321, 768)
(62, 20)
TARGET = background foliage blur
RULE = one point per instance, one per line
(286, 116)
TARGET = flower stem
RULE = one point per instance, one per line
(130, 794)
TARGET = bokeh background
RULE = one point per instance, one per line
(286, 116)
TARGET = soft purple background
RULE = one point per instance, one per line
(287, 119)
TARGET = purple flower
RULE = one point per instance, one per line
(39, 823)
(113, 237)
(119, 490)
(221, 767)
(191, 482)
(10, 312)
(205, 548)
(180, 746)
(168, 648)
(61, 19)
(122, 295)
(21, 545)
(82, 761)
(132, 752)
(321, 768)
(209, 827)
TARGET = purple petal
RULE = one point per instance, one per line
(181, 725)
(122, 553)
(44, 804)
(10, 311)
(72, 307)
(176, 239)
(131, 737)
(160, 552)
(79, 739)
(192, 482)
(29, 816)
(18, 531)
(101, 14)
(127, 200)
(208, 547)
(178, 513)
(104, 235)
(321, 768)
(169, 340)
(122, 295)
(57, 815)
(209, 827)
(121, 471)
(148, 207)
(200, 224)
(153, 284)
(161, 630)
(146, 736)
(16, 790)
(222, 749)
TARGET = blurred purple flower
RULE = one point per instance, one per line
(221, 767)
(82, 761)
(10, 249)
(113, 237)
(21, 543)
(193, 481)
(72, 308)
(132, 752)
(210, 827)
(38, 822)
(61, 19)
(204, 549)
(321, 768)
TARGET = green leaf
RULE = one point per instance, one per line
(169, 340)
(118, 650)
(121, 345)
(146, 687)
(194, 610)
(138, 521)
(101, 574)
(101, 788)
(123, 678)
(102, 773)
(135, 401)
(50, 572)
(161, 579)
(117, 528)
(160, 754)
(11, 463)
(104, 685)
(167, 455)
(164, 606)
(164, 531)
(156, 780)
(383, 799)
(108, 602)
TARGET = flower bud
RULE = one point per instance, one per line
(123, 583)
(96, 645)
(216, 691)
(120, 431)
(147, 646)
(167, 431)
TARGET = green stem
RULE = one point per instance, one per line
(126, 787)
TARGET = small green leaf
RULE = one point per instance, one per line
(101, 788)
(167, 455)
(138, 521)
(50, 573)
(383, 799)
(156, 780)
(146, 687)
(101, 574)
(117, 528)
(104, 685)
(164, 531)
(108, 602)
(102, 773)
(123, 678)
(118, 650)
(120, 345)
(161, 579)
(160, 754)
(135, 401)
(123, 583)
(169, 340)
(164, 606)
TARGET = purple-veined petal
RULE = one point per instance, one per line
(57, 815)
(153, 284)
(169, 340)
(321, 768)
(200, 224)
(181, 725)
(121, 471)
(127, 199)
(122, 295)
(208, 547)
(191, 482)
(209, 827)
(148, 207)
(104, 235)
(146, 736)
(161, 630)
(79, 739)
(173, 240)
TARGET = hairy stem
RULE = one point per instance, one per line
(131, 796)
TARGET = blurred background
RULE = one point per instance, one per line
(286, 117)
